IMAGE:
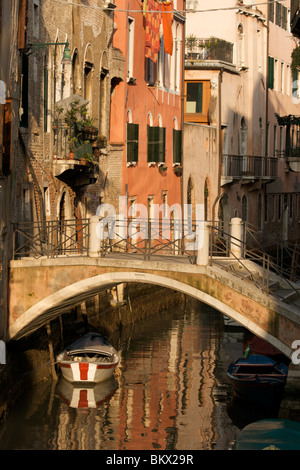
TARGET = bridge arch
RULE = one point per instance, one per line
(62, 300)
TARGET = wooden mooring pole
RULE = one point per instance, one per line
(51, 351)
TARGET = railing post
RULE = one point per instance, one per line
(94, 242)
(236, 245)
(202, 237)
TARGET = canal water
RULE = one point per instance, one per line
(170, 392)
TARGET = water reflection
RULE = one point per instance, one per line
(170, 392)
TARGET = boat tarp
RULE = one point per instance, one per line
(91, 343)
(268, 434)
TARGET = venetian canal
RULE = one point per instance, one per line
(170, 392)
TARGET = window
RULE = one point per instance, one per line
(288, 80)
(266, 208)
(281, 141)
(282, 84)
(275, 141)
(271, 12)
(45, 99)
(275, 81)
(130, 48)
(88, 72)
(7, 138)
(132, 142)
(24, 92)
(177, 138)
(36, 18)
(279, 207)
(151, 71)
(259, 212)
(244, 208)
(197, 96)
(271, 73)
(241, 46)
(278, 19)
(291, 200)
(156, 143)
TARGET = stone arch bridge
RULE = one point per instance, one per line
(43, 287)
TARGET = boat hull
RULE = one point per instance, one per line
(90, 359)
(262, 386)
(86, 372)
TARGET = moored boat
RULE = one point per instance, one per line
(269, 434)
(258, 379)
(90, 359)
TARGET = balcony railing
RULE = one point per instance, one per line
(71, 140)
(238, 167)
(208, 49)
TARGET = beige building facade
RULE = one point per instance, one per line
(238, 76)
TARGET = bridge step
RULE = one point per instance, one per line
(273, 286)
(286, 295)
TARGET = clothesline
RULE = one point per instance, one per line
(194, 10)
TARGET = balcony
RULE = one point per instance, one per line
(248, 169)
(213, 49)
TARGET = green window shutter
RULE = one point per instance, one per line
(161, 133)
(271, 73)
(284, 17)
(45, 99)
(150, 145)
(271, 12)
(177, 137)
(278, 13)
(156, 144)
(132, 142)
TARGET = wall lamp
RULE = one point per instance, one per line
(31, 48)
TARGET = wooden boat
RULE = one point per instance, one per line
(269, 434)
(90, 359)
(258, 379)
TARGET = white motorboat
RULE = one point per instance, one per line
(90, 359)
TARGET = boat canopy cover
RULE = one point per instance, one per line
(91, 343)
(282, 434)
(255, 359)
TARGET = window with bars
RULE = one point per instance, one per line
(132, 142)
(156, 137)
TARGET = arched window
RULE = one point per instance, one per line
(241, 46)
(206, 198)
(259, 212)
(243, 141)
(244, 208)
(88, 77)
(75, 74)
(191, 199)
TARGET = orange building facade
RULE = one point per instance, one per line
(146, 110)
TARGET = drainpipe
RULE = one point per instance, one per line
(220, 77)
(267, 83)
(182, 125)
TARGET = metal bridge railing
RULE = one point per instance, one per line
(149, 238)
(51, 239)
